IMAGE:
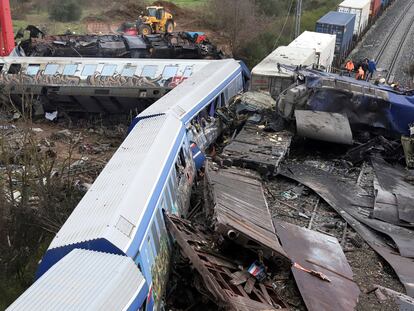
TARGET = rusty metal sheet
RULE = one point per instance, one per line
(195, 244)
(322, 253)
(325, 126)
(240, 208)
(253, 148)
(344, 195)
(385, 205)
(392, 180)
(403, 267)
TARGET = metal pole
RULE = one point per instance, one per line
(298, 17)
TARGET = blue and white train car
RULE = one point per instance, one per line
(151, 172)
(86, 280)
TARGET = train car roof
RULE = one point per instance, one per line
(116, 204)
(86, 280)
(193, 93)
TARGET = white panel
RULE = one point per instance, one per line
(84, 280)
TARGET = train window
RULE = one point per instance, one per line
(51, 69)
(108, 70)
(222, 100)
(1, 67)
(187, 72)
(14, 69)
(182, 157)
(149, 71)
(169, 72)
(32, 69)
(129, 71)
(70, 70)
(89, 70)
(156, 238)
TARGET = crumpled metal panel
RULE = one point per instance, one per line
(392, 180)
(216, 271)
(240, 207)
(325, 126)
(333, 192)
(322, 253)
(349, 197)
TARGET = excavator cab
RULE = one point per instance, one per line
(156, 20)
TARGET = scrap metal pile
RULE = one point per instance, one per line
(172, 45)
(293, 235)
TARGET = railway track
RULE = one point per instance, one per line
(401, 43)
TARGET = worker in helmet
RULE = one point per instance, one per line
(360, 74)
(349, 66)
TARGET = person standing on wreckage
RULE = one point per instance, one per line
(372, 67)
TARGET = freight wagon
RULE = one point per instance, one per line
(361, 9)
(269, 76)
(342, 25)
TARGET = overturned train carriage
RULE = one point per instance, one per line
(151, 173)
(91, 85)
(365, 105)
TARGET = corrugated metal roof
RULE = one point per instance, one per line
(194, 90)
(336, 18)
(293, 56)
(84, 280)
(117, 199)
(357, 4)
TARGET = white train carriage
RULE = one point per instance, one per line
(86, 280)
(151, 172)
(94, 85)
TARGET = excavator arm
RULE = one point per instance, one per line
(6, 29)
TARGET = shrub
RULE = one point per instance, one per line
(65, 10)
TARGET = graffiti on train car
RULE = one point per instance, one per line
(160, 269)
(98, 80)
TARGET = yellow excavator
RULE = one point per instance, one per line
(155, 20)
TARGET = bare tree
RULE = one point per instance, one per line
(238, 19)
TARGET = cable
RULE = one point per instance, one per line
(284, 25)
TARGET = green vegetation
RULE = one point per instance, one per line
(65, 10)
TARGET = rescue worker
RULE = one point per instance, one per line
(349, 66)
(372, 67)
(360, 74)
(365, 66)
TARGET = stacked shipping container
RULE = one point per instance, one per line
(323, 45)
(361, 9)
(339, 24)
(375, 8)
(268, 76)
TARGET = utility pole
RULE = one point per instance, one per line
(298, 17)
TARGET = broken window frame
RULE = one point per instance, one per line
(149, 71)
(29, 68)
(107, 69)
(70, 69)
(169, 72)
(86, 70)
(128, 71)
(51, 69)
(188, 71)
(14, 69)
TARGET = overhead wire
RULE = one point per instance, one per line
(284, 25)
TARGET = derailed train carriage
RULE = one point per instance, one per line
(121, 216)
(91, 85)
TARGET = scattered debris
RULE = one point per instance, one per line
(404, 302)
(348, 199)
(222, 278)
(256, 149)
